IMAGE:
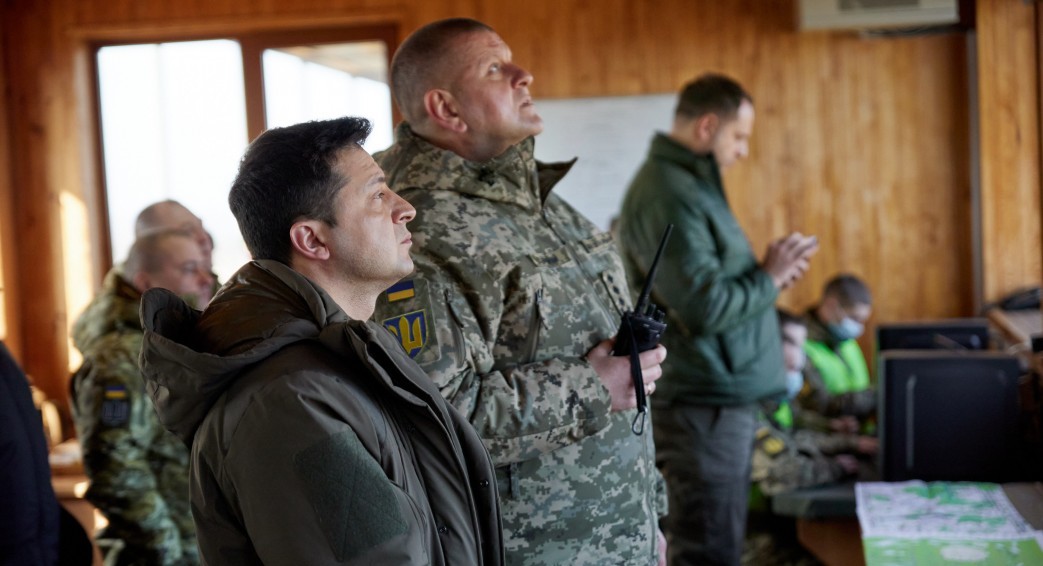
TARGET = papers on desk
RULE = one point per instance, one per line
(915, 509)
(943, 523)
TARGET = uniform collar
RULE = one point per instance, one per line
(702, 165)
(514, 177)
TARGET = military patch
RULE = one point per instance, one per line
(554, 258)
(401, 290)
(772, 445)
(597, 242)
(410, 329)
(115, 409)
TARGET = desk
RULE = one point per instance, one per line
(1027, 498)
(827, 525)
(826, 522)
(1017, 327)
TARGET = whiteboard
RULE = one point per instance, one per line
(610, 136)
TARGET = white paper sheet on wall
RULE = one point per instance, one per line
(610, 136)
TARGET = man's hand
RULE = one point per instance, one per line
(846, 424)
(661, 545)
(847, 462)
(614, 372)
(868, 445)
(788, 258)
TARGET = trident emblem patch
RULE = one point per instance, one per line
(411, 331)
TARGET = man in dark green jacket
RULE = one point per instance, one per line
(723, 334)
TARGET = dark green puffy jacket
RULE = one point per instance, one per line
(723, 337)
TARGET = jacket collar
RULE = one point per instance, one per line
(818, 331)
(514, 177)
(701, 165)
(114, 309)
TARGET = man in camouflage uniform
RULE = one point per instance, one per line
(138, 470)
(785, 459)
(513, 303)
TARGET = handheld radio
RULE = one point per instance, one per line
(639, 331)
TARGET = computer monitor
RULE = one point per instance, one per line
(948, 416)
(946, 334)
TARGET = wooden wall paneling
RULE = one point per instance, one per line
(10, 316)
(1009, 113)
(42, 117)
(1039, 82)
(861, 141)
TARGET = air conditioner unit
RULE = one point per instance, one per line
(872, 14)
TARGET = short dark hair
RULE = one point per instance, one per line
(849, 290)
(711, 93)
(287, 175)
(148, 253)
(421, 59)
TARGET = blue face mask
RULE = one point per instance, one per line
(794, 383)
(848, 329)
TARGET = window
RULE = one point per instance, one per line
(176, 116)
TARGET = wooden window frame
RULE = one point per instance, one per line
(252, 45)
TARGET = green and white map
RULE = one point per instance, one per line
(918, 523)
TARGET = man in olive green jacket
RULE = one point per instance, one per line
(315, 438)
(723, 332)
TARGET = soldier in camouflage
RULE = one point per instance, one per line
(512, 306)
(785, 459)
(138, 471)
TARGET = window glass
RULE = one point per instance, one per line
(328, 81)
(173, 127)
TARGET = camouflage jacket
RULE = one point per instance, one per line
(784, 461)
(138, 471)
(512, 288)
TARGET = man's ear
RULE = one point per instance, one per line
(308, 238)
(443, 110)
(706, 127)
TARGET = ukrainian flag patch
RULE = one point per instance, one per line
(115, 407)
(410, 329)
(401, 290)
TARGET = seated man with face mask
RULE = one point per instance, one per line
(786, 459)
(836, 394)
